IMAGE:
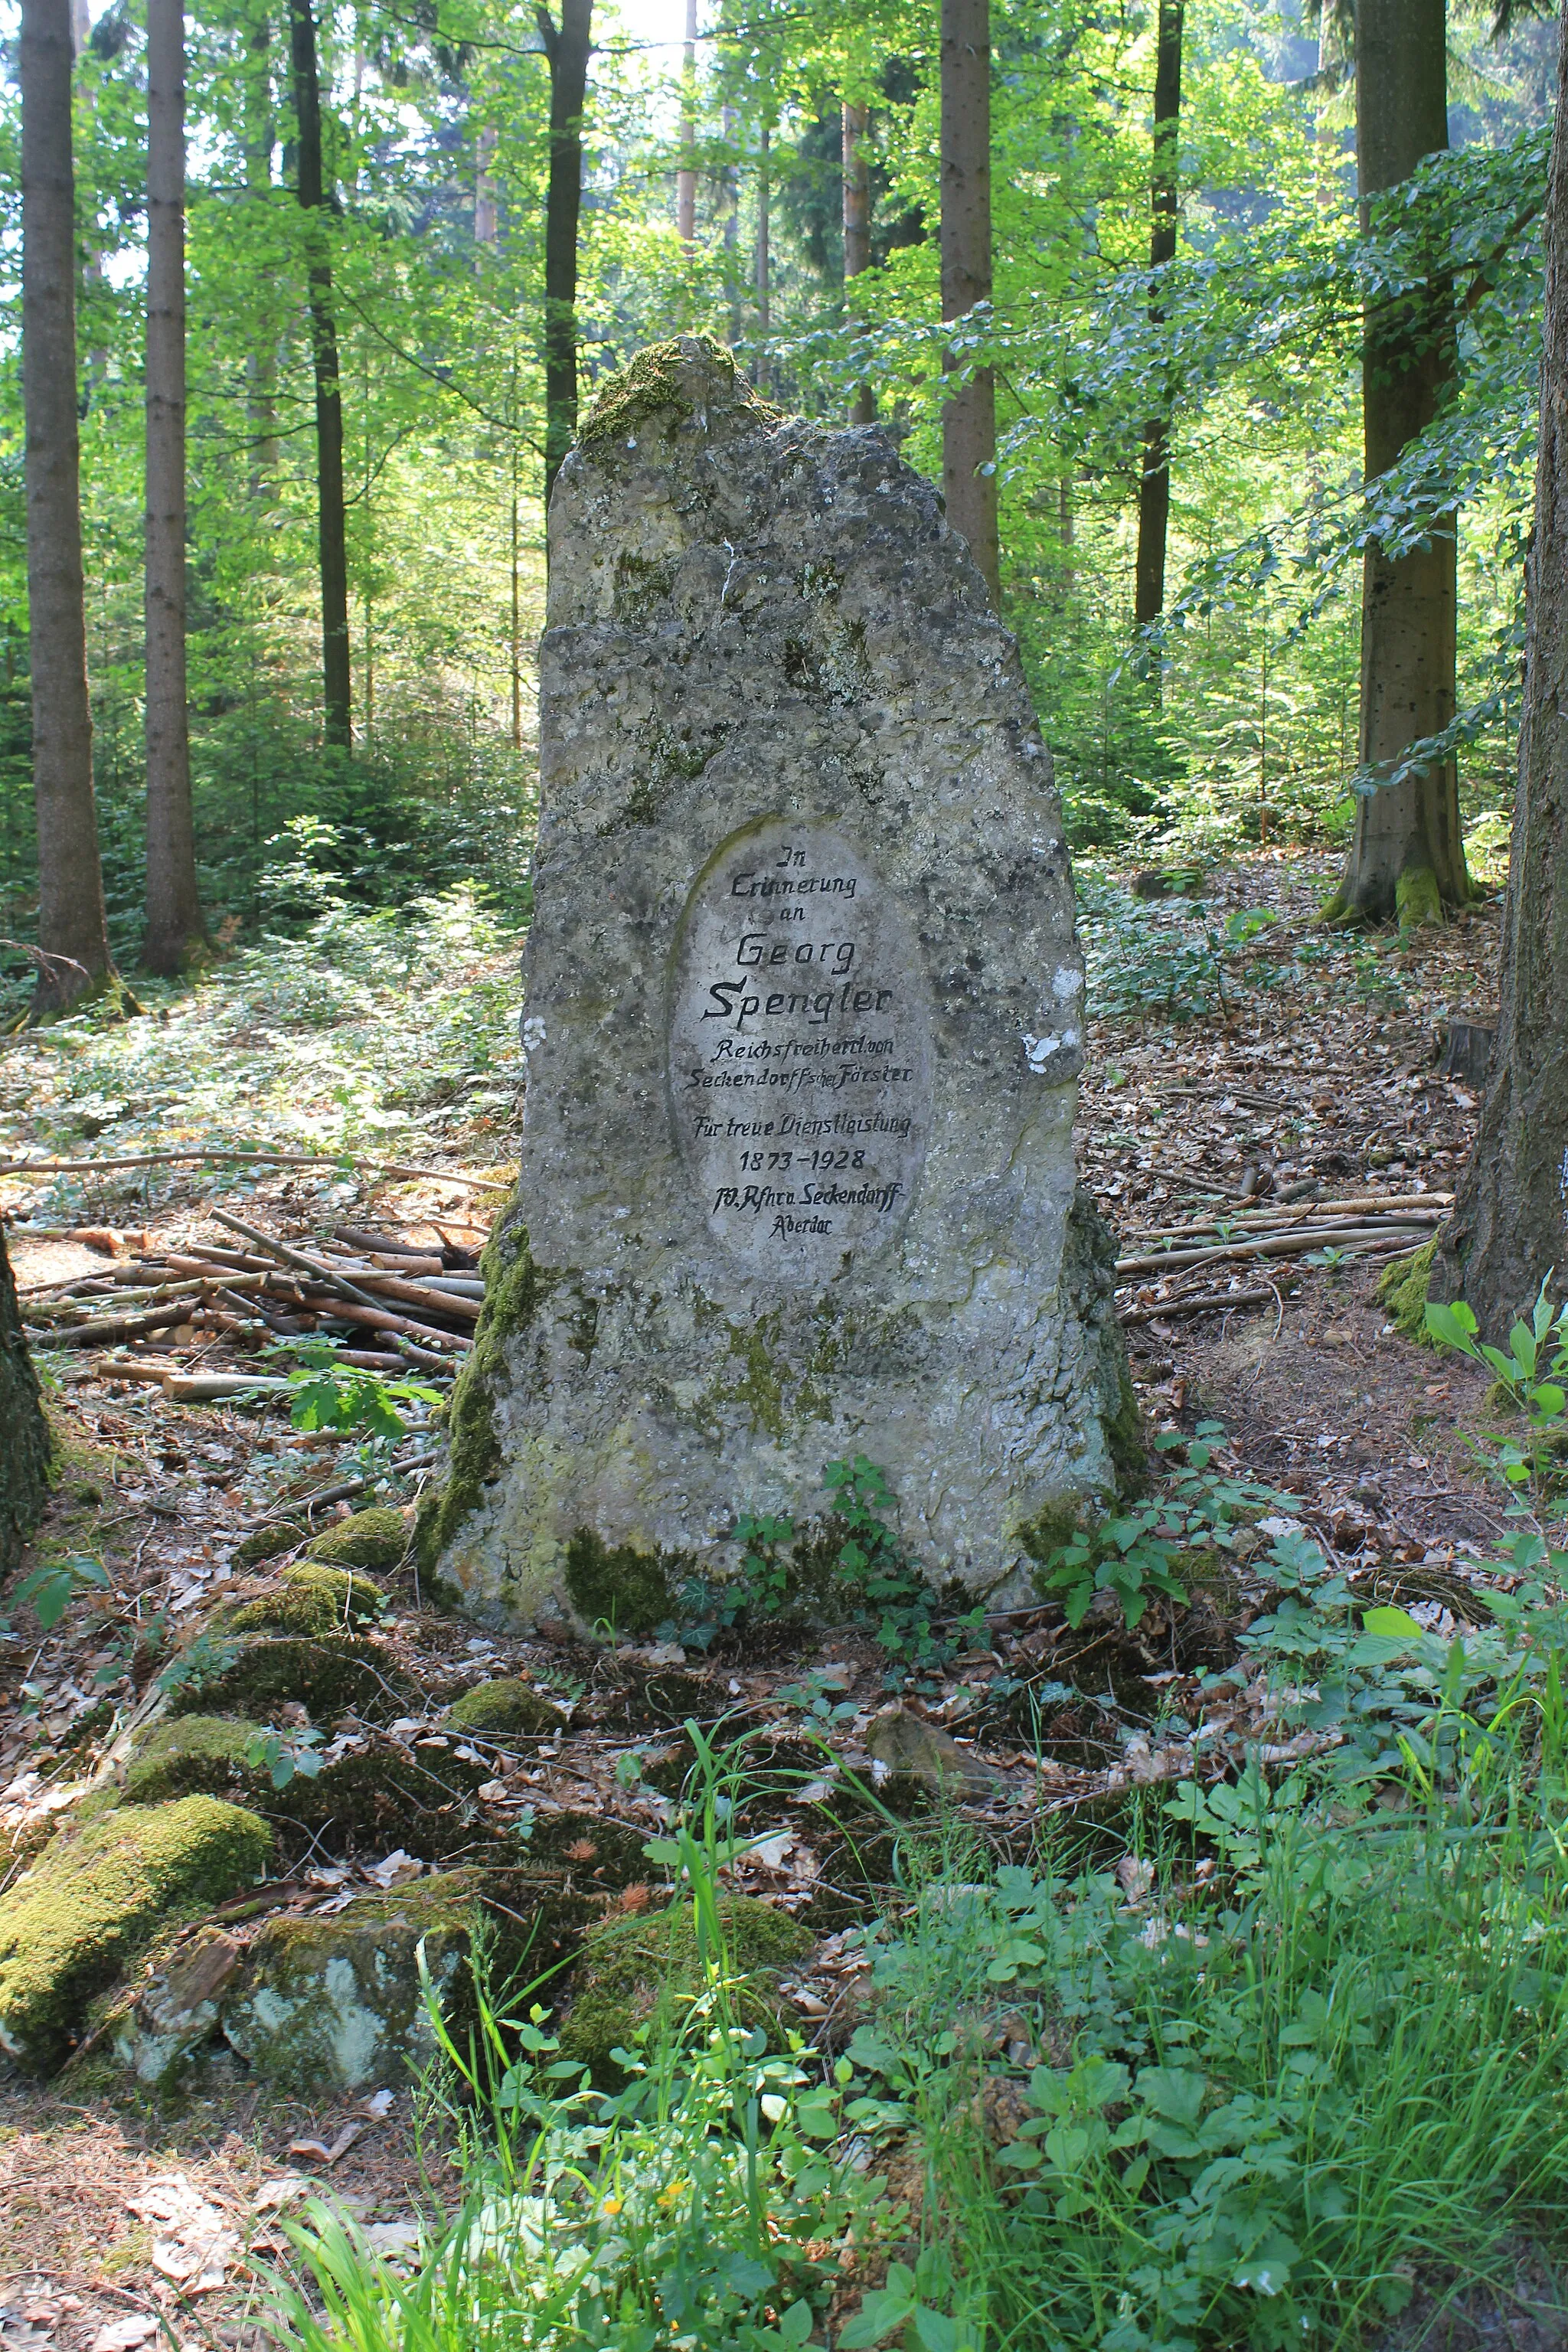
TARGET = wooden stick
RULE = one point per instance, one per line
(1212, 1302)
(413, 1294)
(1293, 1211)
(1262, 1246)
(291, 1257)
(115, 1327)
(215, 1156)
(382, 1318)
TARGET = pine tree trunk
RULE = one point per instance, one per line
(969, 417)
(332, 538)
(176, 932)
(261, 360)
(856, 235)
(1408, 857)
(568, 47)
(25, 1446)
(1510, 1227)
(1155, 485)
(72, 935)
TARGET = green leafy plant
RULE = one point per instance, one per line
(49, 1591)
(327, 1395)
(891, 1598)
(1134, 1555)
(1532, 1371)
(285, 1756)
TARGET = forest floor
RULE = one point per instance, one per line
(1231, 1064)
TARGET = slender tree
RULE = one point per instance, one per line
(25, 1445)
(332, 540)
(686, 173)
(969, 417)
(857, 233)
(764, 255)
(1154, 483)
(568, 45)
(1408, 857)
(1510, 1228)
(72, 934)
(176, 930)
(260, 134)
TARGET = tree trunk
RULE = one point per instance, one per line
(1510, 1227)
(765, 259)
(175, 929)
(856, 235)
(969, 417)
(686, 176)
(337, 689)
(25, 1446)
(485, 217)
(72, 934)
(568, 47)
(1155, 485)
(262, 360)
(1408, 857)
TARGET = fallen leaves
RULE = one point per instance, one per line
(194, 2243)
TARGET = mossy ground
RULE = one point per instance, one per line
(313, 1598)
(191, 1754)
(503, 1708)
(374, 1538)
(267, 1542)
(628, 1591)
(328, 1675)
(69, 1927)
(649, 1971)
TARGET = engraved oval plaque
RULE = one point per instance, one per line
(800, 1052)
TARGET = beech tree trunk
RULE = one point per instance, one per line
(686, 176)
(1510, 1228)
(568, 46)
(337, 689)
(176, 932)
(856, 235)
(969, 417)
(1407, 855)
(72, 934)
(1154, 483)
(25, 1446)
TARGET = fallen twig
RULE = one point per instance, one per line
(1274, 1245)
(215, 1156)
(1211, 1302)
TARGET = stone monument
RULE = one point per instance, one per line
(803, 1025)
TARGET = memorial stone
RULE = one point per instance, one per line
(803, 1025)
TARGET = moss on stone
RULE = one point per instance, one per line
(513, 1291)
(650, 1970)
(191, 1754)
(651, 382)
(501, 1707)
(311, 1598)
(1401, 1288)
(267, 1542)
(328, 1675)
(1124, 1434)
(69, 1927)
(374, 1538)
(1418, 899)
(596, 1850)
(628, 1589)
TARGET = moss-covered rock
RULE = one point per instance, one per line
(513, 1288)
(339, 2004)
(267, 1542)
(332, 1673)
(619, 1586)
(506, 1708)
(374, 1538)
(650, 1970)
(1401, 1288)
(650, 384)
(593, 1849)
(311, 1598)
(69, 1927)
(193, 1754)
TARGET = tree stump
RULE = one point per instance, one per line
(1468, 1048)
(25, 1442)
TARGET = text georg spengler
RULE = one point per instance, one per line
(799, 1051)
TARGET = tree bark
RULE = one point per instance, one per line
(856, 235)
(765, 258)
(686, 176)
(486, 217)
(568, 46)
(176, 930)
(1407, 855)
(262, 360)
(337, 687)
(25, 1446)
(1155, 485)
(969, 417)
(72, 934)
(1510, 1228)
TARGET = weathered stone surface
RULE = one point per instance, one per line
(804, 1023)
(175, 2014)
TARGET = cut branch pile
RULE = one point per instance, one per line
(402, 1305)
(1371, 1225)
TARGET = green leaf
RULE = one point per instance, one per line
(1393, 1625)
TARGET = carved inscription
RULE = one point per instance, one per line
(799, 1051)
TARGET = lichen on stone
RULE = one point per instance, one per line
(374, 1538)
(653, 1970)
(503, 1707)
(70, 1926)
(513, 1291)
(313, 1598)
